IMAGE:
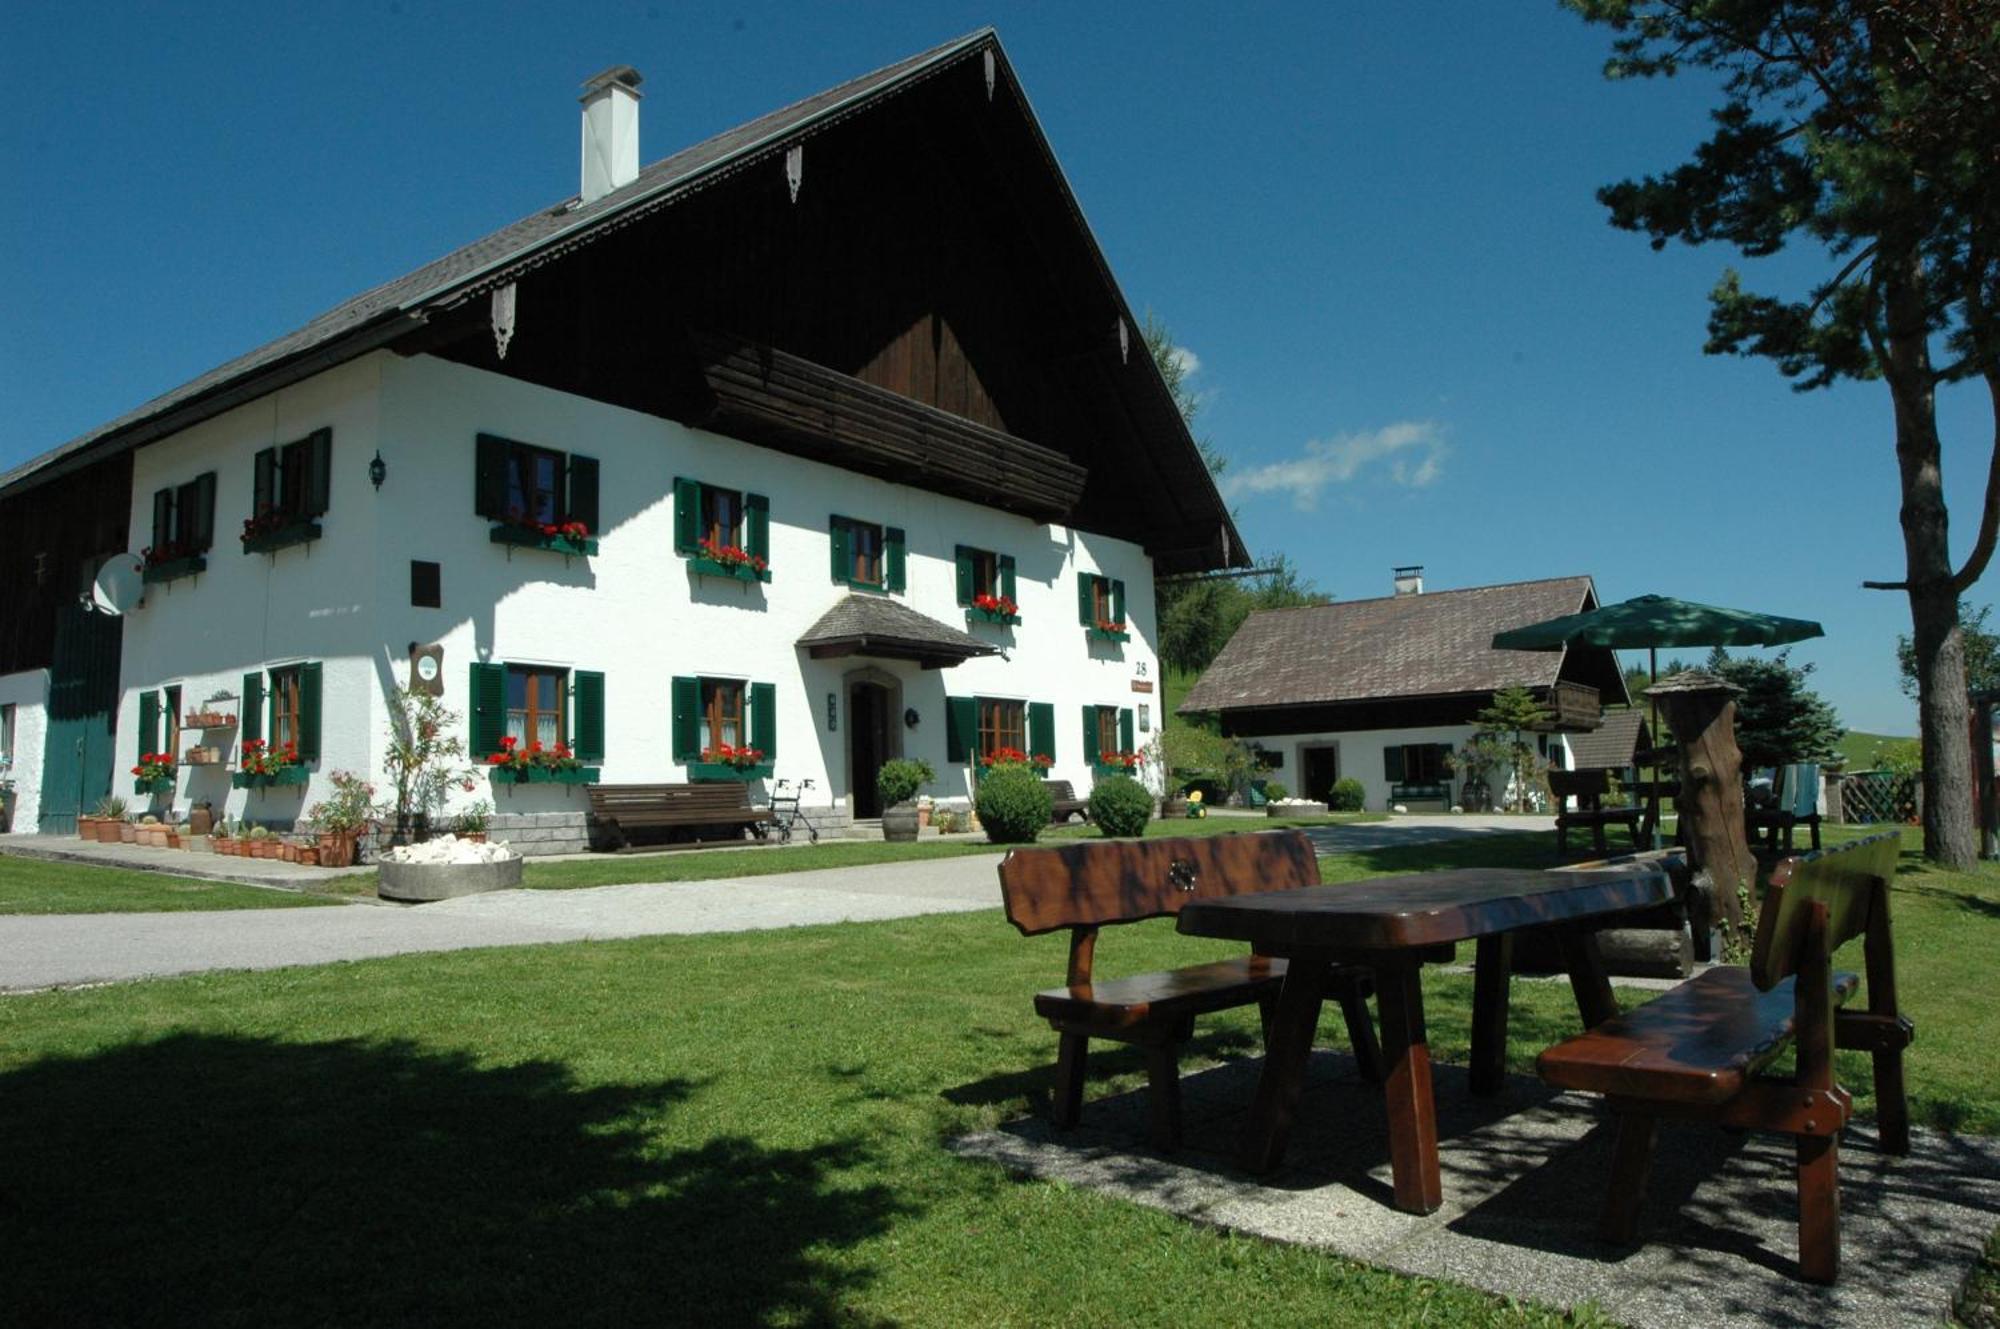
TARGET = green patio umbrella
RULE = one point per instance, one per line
(1653, 621)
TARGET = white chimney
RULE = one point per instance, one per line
(1410, 580)
(610, 131)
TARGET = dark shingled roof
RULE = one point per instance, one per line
(1610, 746)
(878, 625)
(394, 308)
(1434, 644)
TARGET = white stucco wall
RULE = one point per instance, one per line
(28, 693)
(1361, 756)
(634, 611)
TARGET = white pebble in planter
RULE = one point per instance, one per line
(444, 868)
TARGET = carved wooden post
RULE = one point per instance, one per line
(1700, 709)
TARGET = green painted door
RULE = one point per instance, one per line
(83, 718)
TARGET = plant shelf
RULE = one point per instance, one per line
(265, 779)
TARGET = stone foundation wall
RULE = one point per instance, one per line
(533, 833)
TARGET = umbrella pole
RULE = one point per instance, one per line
(1652, 703)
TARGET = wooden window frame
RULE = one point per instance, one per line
(725, 534)
(1432, 756)
(713, 702)
(995, 731)
(534, 676)
(282, 688)
(170, 703)
(876, 573)
(985, 572)
(523, 455)
(1101, 605)
(1107, 731)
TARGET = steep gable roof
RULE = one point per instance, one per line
(397, 309)
(1435, 644)
(1610, 746)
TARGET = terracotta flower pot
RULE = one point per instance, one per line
(336, 850)
(127, 833)
(309, 855)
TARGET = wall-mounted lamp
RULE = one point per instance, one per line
(910, 718)
(378, 470)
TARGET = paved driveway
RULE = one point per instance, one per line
(55, 950)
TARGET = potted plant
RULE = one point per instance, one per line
(472, 821)
(422, 760)
(897, 784)
(128, 832)
(340, 819)
(288, 851)
(261, 844)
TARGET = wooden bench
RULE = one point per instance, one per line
(1062, 794)
(1088, 886)
(1701, 1050)
(1588, 788)
(1795, 803)
(617, 810)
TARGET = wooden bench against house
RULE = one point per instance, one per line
(1701, 1050)
(1062, 795)
(1090, 886)
(618, 810)
(1588, 788)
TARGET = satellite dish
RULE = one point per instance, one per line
(119, 585)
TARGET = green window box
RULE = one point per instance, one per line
(544, 775)
(264, 780)
(282, 537)
(173, 568)
(708, 567)
(974, 614)
(716, 770)
(506, 533)
(162, 784)
(1110, 634)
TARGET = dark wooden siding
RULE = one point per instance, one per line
(50, 539)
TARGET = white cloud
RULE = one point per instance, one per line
(1185, 360)
(1409, 453)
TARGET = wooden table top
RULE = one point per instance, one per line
(1422, 909)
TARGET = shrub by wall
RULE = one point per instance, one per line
(1013, 805)
(1121, 805)
(1348, 795)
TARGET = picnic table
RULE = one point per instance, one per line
(1393, 925)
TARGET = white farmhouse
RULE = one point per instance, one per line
(1383, 691)
(831, 437)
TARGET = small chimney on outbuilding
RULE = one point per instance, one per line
(610, 131)
(1410, 580)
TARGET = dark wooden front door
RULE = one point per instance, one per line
(867, 744)
(83, 712)
(1319, 768)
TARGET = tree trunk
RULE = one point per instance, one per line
(1710, 803)
(1950, 839)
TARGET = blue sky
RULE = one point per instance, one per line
(1372, 227)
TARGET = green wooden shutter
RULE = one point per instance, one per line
(203, 528)
(583, 491)
(1125, 729)
(1042, 729)
(250, 708)
(965, 587)
(764, 719)
(163, 518)
(687, 719)
(1118, 602)
(1091, 750)
(1086, 609)
(1007, 579)
(488, 694)
(264, 487)
(961, 728)
(586, 730)
(489, 477)
(895, 572)
(843, 549)
(687, 515)
(757, 526)
(1392, 764)
(319, 471)
(148, 737)
(309, 706)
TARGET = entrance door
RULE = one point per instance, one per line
(1319, 770)
(867, 744)
(83, 716)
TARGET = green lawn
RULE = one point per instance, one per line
(739, 1129)
(35, 886)
(1861, 752)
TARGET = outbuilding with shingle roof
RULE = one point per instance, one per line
(1382, 690)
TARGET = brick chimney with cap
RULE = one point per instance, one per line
(1410, 580)
(610, 131)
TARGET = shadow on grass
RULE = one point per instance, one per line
(225, 1180)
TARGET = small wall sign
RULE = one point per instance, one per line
(427, 669)
(1142, 685)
